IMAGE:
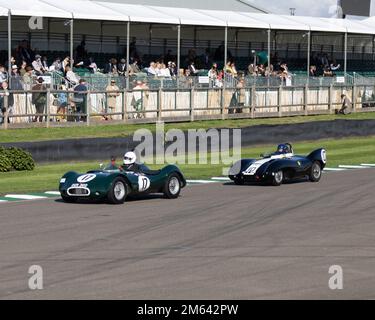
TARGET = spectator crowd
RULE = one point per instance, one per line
(28, 69)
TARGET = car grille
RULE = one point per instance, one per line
(78, 192)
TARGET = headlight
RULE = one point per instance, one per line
(62, 180)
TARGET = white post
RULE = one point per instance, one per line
(345, 53)
(225, 46)
(9, 41)
(71, 43)
(308, 52)
(127, 54)
(269, 48)
(178, 49)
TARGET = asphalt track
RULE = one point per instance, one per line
(217, 241)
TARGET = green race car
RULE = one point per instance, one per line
(114, 184)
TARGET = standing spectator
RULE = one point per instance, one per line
(121, 68)
(113, 92)
(62, 103)
(346, 104)
(134, 67)
(252, 70)
(72, 78)
(213, 75)
(334, 66)
(312, 72)
(108, 67)
(6, 101)
(15, 79)
(92, 66)
(39, 99)
(192, 69)
(23, 68)
(28, 78)
(111, 67)
(3, 74)
(241, 95)
(57, 65)
(138, 99)
(45, 64)
(38, 65)
(230, 68)
(66, 63)
(152, 70)
(172, 69)
(164, 71)
(80, 99)
(327, 72)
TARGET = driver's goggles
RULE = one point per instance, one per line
(127, 158)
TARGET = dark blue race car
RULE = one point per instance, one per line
(280, 166)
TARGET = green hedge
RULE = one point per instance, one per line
(15, 159)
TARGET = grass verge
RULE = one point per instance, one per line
(122, 130)
(46, 177)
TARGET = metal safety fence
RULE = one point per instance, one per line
(25, 108)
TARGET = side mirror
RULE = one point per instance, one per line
(101, 166)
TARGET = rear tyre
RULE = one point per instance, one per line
(172, 186)
(118, 191)
(68, 199)
(278, 178)
(315, 172)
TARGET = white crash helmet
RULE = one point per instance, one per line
(129, 158)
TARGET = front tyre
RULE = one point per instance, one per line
(172, 186)
(68, 199)
(315, 172)
(239, 181)
(118, 191)
(278, 178)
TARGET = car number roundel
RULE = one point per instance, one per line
(143, 183)
(324, 156)
(86, 178)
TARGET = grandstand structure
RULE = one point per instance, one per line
(234, 32)
(108, 28)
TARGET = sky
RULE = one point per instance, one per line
(319, 8)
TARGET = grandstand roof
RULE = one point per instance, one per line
(235, 5)
(119, 11)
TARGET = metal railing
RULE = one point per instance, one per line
(67, 107)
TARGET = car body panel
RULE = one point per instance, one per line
(99, 182)
(263, 170)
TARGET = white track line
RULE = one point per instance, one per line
(24, 197)
(351, 167)
(54, 193)
(334, 169)
(3, 201)
(368, 164)
(200, 181)
(220, 178)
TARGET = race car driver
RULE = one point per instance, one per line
(283, 149)
(130, 163)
